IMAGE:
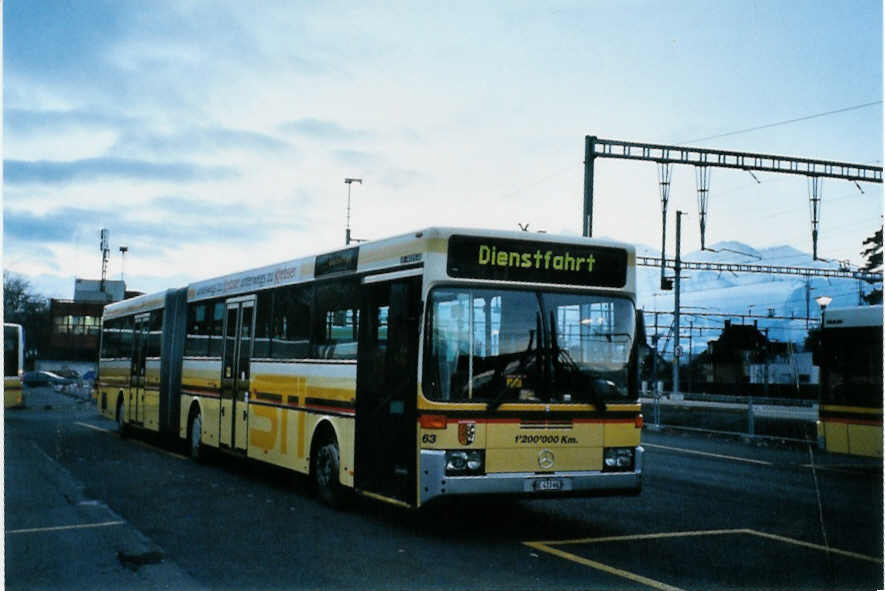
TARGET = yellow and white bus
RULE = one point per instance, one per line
(13, 365)
(436, 363)
(849, 353)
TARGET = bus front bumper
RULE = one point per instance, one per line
(435, 484)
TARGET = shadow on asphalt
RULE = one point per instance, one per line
(498, 517)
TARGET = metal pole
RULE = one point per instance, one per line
(347, 227)
(751, 419)
(656, 412)
(348, 182)
(677, 267)
(589, 158)
(807, 300)
(814, 187)
(690, 343)
(702, 174)
(123, 251)
(664, 174)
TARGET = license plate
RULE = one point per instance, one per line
(546, 484)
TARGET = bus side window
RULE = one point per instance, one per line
(155, 336)
(291, 322)
(196, 342)
(337, 320)
(215, 330)
(126, 339)
(263, 344)
(110, 340)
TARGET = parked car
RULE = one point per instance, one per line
(67, 372)
(45, 378)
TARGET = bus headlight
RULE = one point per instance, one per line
(462, 462)
(617, 459)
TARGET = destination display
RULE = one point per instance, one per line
(336, 262)
(542, 262)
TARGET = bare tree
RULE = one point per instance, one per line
(22, 305)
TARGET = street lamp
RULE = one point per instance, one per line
(823, 302)
(123, 251)
(348, 182)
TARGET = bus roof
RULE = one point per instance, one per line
(397, 251)
(403, 250)
(854, 316)
(136, 305)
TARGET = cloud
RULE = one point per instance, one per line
(199, 140)
(87, 169)
(199, 208)
(25, 121)
(180, 220)
(356, 157)
(317, 128)
(18, 252)
(60, 37)
(397, 178)
(58, 226)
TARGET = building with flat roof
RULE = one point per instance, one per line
(75, 325)
(98, 291)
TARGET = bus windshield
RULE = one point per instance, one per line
(496, 346)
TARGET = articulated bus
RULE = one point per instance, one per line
(849, 353)
(437, 363)
(13, 365)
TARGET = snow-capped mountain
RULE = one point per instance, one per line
(779, 303)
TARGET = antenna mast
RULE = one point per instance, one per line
(105, 256)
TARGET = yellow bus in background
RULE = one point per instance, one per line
(13, 365)
(849, 353)
(437, 363)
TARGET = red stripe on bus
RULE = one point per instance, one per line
(852, 421)
(553, 423)
(207, 393)
(331, 409)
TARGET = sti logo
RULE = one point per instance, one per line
(466, 433)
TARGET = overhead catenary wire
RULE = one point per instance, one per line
(570, 167)
(785, 122)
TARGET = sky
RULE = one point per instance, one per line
(215, 136)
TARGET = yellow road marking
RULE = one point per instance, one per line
(385, 499)
(141, 443)
(678, 534)
(843, 468)
(602, 567)
(847, 468)
(547, 546)
(708, 454)
(813, 546)
(64, 527)
(88, 426)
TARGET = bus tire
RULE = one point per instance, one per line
(324, 472)
(195, 432)
(122, 427)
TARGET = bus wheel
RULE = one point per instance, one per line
(121, 418)
(196, 431)
(325, 473)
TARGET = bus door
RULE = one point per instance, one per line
(135, 406)
(238, 330)
(387, 386)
